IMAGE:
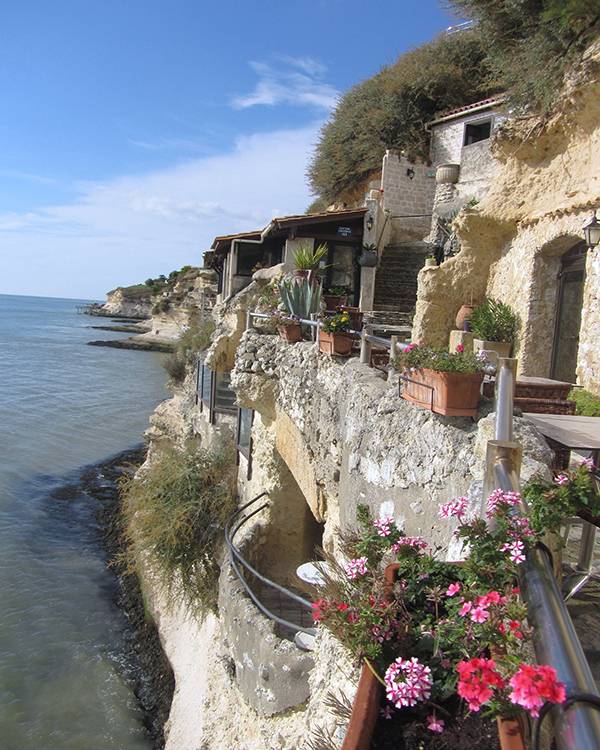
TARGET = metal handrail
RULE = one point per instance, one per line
(576, 727)
(239, 561)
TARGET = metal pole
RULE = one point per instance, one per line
(554, 636)
(365, 346)
(505, 390)
(248, 319)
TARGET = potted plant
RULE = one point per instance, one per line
(307, 260)
(444, 382)
(448, 643)
(335, 297)
(495, 327)
(430, 261)
(368, 256)
(333, 334)
(288, 327)
(300, 297)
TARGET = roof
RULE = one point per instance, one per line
(222, 242)
(483, 104)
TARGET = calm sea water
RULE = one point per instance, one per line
(63, 405)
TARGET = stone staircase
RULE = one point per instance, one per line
(396, 278)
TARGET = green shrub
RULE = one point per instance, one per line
(195, 339)
(494, 321)
(176, 366)
(390, 110)
(586, 404)
(531, 43)
(307, 258)
(175, 512)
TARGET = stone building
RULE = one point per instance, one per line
(523, 242)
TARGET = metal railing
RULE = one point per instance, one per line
(366, 335)
(240, 564)
(577, 724)
(213, 391)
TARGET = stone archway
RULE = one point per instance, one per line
(540, 327)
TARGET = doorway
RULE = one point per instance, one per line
(571, 282)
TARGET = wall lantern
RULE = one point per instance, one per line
(591, 232)
(369, 223)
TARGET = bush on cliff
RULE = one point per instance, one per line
(390, 110)
(530, 44)
(196, 338)
(175, 512)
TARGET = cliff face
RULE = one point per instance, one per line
(121, 304)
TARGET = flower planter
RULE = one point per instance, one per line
(510, 734)
(333, 301)
(365, 711)
(447, 174)
(453, 394)
(291, 333)
(502, 348)
(335, 343)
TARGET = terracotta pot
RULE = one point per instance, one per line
(292, 332)
(365, 710)
(502, 348)
(454, 394)
(333, 301)
(463, 316)
(335, 343)
(510, 734)
(301, 273)
(447, 174)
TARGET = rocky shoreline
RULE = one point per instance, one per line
(142, 345)
(146, 667)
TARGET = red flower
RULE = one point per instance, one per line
(477, 679)
(342, 606)
(319, 609)
(533, 685)
(460, 348)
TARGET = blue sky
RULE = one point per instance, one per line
(133, 131)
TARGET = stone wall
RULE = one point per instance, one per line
(406, 196)
(544, 190)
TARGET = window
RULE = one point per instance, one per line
(477, 131)
(244, 436)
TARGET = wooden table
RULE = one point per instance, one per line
(565, 433)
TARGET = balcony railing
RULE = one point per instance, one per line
(577, 722)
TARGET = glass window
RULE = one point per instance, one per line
(477, 131)
(244, 431)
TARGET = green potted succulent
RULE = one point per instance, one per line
(307, 260)
(494, 326)
(334, 336)
(335, 296)
(445, 382)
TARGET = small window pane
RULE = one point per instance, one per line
(477, 131)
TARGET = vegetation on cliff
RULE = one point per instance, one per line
(160, 285)
(195, 339)
(390, 110)
(175, 512)
(521, 48)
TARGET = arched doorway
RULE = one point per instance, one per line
(571, 281)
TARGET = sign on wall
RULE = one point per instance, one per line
(344, 231)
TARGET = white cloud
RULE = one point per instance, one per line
(297, 82)
(120, 231)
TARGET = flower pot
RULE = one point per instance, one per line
(463, 316)
(365, 710)
(510, 734)
(292, 332)
(333, 301)
(430, 263)
(453, 394)
(368, 259)
(335, 343)
(447, 174)
(501, 348)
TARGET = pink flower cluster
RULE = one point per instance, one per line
(534, 685)
(433, 723)
(356, 567)
(515, 549)
(477, 679)
(384, 525)
(478, 610)
(499, 500)
(457, 508)
(409, 541)
(453, 589)
(588, 463)
(408, 682)
(561, 479)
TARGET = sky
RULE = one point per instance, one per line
(134, 131)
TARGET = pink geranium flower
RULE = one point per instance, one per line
(465, 609)
(516, 550)
(416, 542)
(356, 567)
(453, 589)
(588, 463)
(455, 508)
(407, 682)
(561, 479)
(533, 685)
(479, 614)
(384, 525)
(460, 348)
(434, 724)
(477, 679)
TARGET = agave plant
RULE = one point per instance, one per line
(300, 297)
(307, 258)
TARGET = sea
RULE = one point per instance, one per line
(64, 407)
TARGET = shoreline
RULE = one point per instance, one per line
(148, 672)
(145, 345)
